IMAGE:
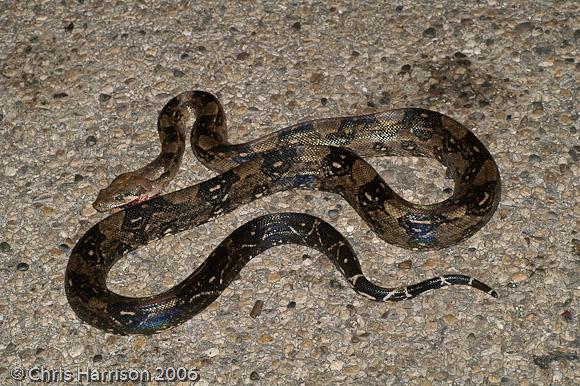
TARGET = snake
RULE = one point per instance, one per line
(323, 154)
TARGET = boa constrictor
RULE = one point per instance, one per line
(322, 155)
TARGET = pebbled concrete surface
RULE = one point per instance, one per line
(81, 84)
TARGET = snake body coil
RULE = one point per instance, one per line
(322, 155)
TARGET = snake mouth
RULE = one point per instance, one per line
(132, 201)
(124, 206)
(115, 206)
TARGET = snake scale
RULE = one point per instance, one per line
(323, 155)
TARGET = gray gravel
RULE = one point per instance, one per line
(81, 84)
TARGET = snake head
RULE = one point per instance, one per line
(125, 190)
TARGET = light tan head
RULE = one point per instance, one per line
(127, 189)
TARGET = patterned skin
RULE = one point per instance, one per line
(322, 155)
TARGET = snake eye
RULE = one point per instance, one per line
(119, 197)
